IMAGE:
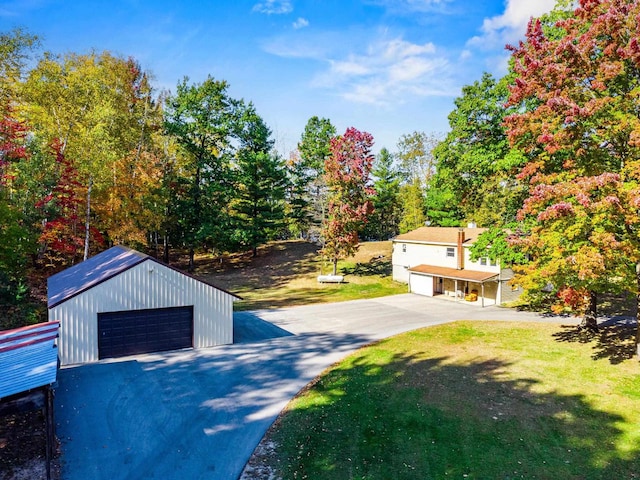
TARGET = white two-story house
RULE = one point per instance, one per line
(437, 261)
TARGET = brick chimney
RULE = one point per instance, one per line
(460, 249)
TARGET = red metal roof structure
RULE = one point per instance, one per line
(28, 370)
(28, 358)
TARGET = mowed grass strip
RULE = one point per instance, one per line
(465, 400)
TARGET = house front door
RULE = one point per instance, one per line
(439, 285)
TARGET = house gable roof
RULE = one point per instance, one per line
(440, 235)
(97, 269)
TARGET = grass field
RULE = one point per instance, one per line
(285, 274)
(470, 401)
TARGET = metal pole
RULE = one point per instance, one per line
(50, 429)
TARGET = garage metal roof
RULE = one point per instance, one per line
(28, 358)
(91, 272)
(95, 270)
(468, 275)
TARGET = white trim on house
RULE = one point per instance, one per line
(428, 258)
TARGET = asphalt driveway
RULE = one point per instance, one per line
(199, 414)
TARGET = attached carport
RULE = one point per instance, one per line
(431, 280)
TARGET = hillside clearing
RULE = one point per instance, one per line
(285, 274)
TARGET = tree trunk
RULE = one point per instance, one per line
(165, 252)
(87, 220)
(335, 266)
(154, 239)
(192, 264)
(254, 251)
(590, 320)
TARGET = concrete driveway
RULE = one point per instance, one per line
(199, 414)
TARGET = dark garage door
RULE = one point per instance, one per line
(143, 331)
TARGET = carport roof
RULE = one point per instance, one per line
(28, 358)
(97, 269)
(454, 274)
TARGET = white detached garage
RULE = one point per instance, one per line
(123, 302)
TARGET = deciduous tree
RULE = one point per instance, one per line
(15, 51)
(96, 107)
(413, 206)
(576, 100)
(15, 241)
(347, 174)
(475, 165)
(62, 238)
(415, 157)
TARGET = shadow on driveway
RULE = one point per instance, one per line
(249, 327)
(196, 414)
(190, 414)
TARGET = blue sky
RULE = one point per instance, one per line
(388, 67)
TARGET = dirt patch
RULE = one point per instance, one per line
(23, 448)
(260, 464)
(293, 265)
(276, 263)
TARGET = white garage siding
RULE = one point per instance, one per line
(401, 273)
(421, 284)
(146, 285)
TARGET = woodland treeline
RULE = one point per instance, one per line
(547, 157)
(93, 155)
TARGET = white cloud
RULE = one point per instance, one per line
(389, 72)
(300, 23)
(314, 46)
(350, 68)
(465, 55)
(511, 25)
(400, 49)
(275, 7)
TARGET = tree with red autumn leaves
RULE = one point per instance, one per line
(15, 244)
(347, 174)
(577, 95)
(63, 232)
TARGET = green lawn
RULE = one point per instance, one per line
(468, 400)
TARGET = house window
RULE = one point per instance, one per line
(451, 252)
(404, 248)
(494, 263)
(483, 261)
